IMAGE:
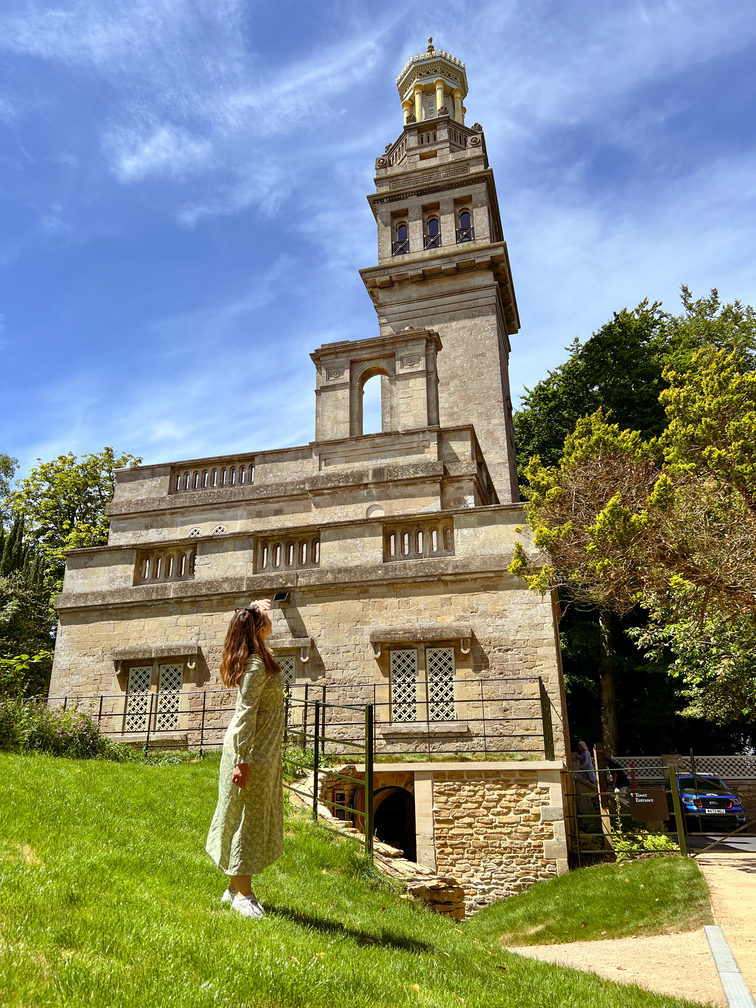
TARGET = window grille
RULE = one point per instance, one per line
(404, 685)
(401, 244)
(433, 234)
(287, 663)
(439, 663)
(169, 697)
(138, 697)
(465, 230)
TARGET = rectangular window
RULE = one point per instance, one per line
(418, 696)
(288, 663)
(138, 698)
(404, 685)
(439, 663)
(161, 712)
(169, 696)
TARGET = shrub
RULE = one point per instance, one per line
(32, 726)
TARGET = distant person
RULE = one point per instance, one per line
(620, 780)
(246, 834)
(585, 765)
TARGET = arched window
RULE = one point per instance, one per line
(372, 419)
(400, 245)
(204, 478)
(156, 571)
(195, 484)
(169, 565)
(465, 230)
(432, 233)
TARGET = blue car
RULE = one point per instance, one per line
(709, 804)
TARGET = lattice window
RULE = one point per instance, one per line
(138, 698)
(288, 667)
(404, 685)
(439, 663)
(288, 663)
(169, 697)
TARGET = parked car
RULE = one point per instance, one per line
(709, 804)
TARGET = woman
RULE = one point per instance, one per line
(246, 834)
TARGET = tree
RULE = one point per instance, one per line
(64, 501)
(669, 523)
(621, 371)
(8, 467)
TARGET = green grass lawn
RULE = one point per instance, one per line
(108, 900)
(607, 901)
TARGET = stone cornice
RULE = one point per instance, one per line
(237, 589)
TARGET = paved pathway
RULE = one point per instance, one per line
(675, 964)
(732, 883)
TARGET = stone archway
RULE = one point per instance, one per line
(394, 819)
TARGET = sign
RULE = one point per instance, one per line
(649, 805)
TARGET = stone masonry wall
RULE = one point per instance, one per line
(499, 831)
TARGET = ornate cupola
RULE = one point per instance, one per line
(431, 85)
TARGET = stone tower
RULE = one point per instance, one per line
(442, 261)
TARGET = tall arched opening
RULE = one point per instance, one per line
(394, 819)
(372, 402)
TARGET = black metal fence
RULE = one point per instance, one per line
(361, 749)
(482, 719)
(605, 821)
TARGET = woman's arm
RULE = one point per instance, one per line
(243, 736)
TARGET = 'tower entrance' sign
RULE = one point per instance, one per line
(649, 805)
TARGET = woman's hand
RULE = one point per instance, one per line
(263, 604)
(240, 776)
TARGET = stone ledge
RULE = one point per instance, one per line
(425, 729)
(425, 632)
(173, 650)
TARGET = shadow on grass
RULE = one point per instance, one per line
(335, 927)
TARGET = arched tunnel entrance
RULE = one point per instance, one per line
(394, 819)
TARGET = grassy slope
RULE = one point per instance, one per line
(607, 901)
(108, 900)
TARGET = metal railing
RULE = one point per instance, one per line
(492, 718)
(362, 819)
(604, 821)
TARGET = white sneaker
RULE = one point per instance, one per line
(228, 896)
(247, 906)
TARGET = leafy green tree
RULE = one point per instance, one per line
(27, 626)
(620, 370)
(64, 501)
(8, 468)
(669, 523)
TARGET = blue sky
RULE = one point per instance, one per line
(183, 193)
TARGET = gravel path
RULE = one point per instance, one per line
(676, 964)
(732, 883)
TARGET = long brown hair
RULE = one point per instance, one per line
(243, 640)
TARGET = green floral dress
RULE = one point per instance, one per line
(246, 834)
